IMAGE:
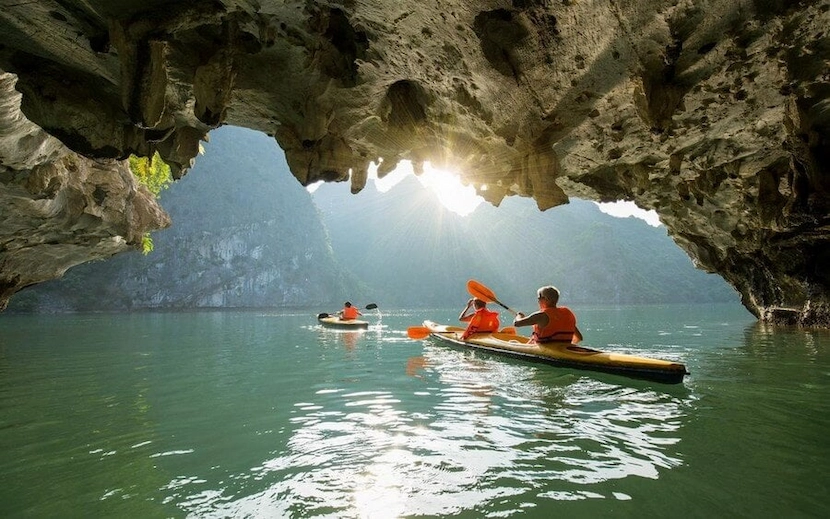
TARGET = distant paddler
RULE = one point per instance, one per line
(347, 318)
(349, 312)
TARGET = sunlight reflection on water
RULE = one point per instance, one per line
(479, 431)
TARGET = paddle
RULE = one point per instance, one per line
(480, 291)
(417, 332)
(371, 306)
(422, 332)
(322, 315)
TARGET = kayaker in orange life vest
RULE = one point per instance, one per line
(348, 312)
(481, 320)
(551, 323)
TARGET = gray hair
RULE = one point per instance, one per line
(549, 293)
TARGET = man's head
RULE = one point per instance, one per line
(548, 296)
(347, 304)
(479, 304)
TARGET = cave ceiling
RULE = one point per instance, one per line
(713, 113)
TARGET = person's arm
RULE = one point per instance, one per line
(463, 316)
(540, 318)
(577, 335)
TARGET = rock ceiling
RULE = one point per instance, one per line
(714, 113)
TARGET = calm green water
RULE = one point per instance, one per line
(258, 414)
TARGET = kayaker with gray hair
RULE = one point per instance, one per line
(551, 323)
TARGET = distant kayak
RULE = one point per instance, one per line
(332, 321)
(562, 354)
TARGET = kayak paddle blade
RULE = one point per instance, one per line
(480, 291)
(323, 315)
(417, 332)
(371, 306)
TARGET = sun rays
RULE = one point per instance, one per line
(446, 185)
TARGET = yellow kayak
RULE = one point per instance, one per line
(332, 321)
(563, 354)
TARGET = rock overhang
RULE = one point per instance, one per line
(714, 114)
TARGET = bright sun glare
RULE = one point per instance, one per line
(463, 200)
(447, 186)
(452, 193)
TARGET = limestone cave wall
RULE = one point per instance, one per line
(714, 113)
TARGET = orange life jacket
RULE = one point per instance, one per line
(482, 321)
(349, 312)
(561, 326)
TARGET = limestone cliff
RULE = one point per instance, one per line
(235, 242)
(715, 113)
(58, 208)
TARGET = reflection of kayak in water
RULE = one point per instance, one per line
(333, 321)
(562, 354)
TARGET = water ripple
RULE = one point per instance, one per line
(486, 433)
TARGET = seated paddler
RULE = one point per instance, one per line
(478, 318)
(551, 323)
(348, 312)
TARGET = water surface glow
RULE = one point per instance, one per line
(246, 414)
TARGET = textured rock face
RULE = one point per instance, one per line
(714, 113)
(58, 208)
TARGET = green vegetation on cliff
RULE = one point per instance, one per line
(152, 172)
(155, 174)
